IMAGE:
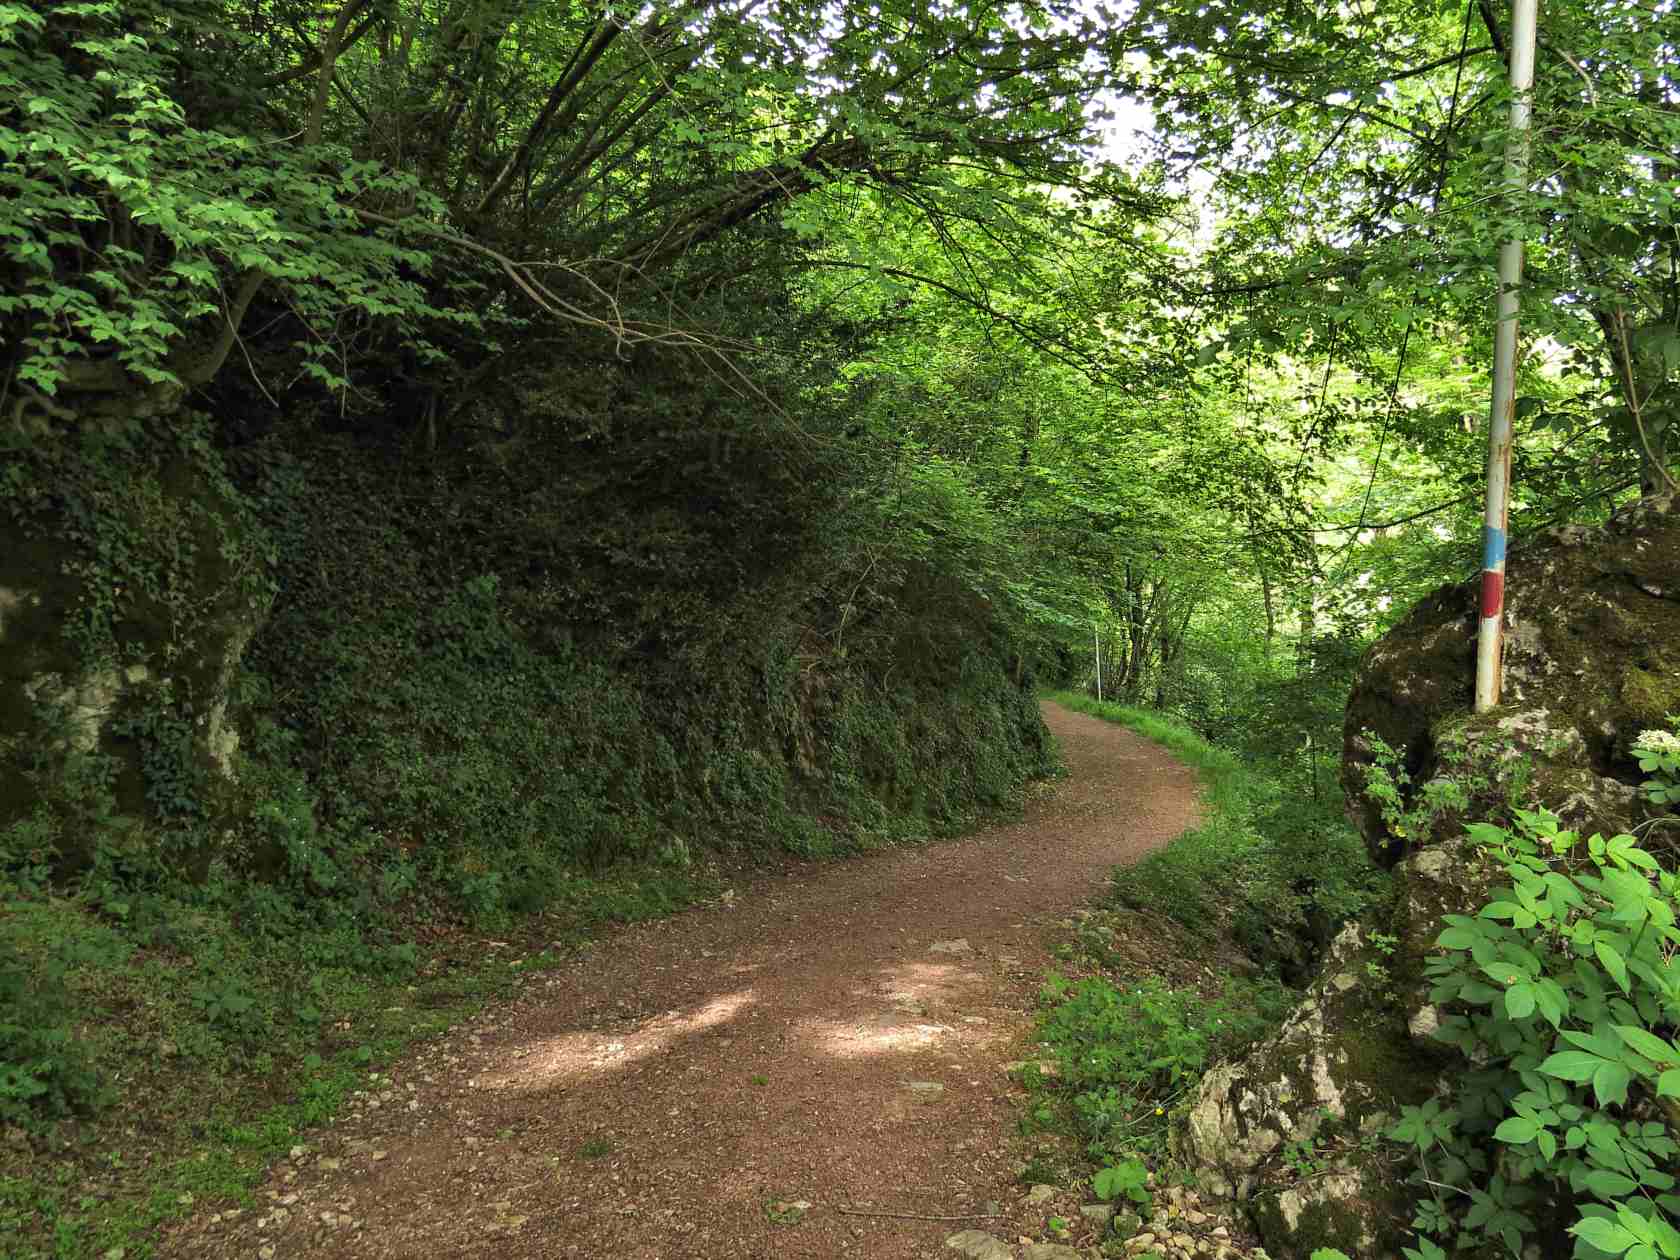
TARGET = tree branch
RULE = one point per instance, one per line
(591, 53)
(312, 62)
(1036, 337)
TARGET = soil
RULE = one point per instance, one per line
(813, 1066)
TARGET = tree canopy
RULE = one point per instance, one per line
(1255, 349)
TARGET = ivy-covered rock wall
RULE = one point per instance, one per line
(347, 660)
(132, 576)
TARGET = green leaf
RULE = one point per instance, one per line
(1647, 1044)
(1457, 938)
(1611, 960)
(1609, 1185)
(1516, 1130)
(1552, 1000)
(1603, 1234)
(1519, 1001)
(1610, 1084)
(1571, 1065)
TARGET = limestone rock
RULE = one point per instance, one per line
(979, 1245)
(1340, 1062)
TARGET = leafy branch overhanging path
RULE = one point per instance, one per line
(833, 1039)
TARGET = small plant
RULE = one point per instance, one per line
(1658, 754)
(227, 1003)
(595, 1148)
(786, 1211)
(1129, 1180)
(45, 1071)
(1303, 1157)
(1388, 784)
(1128, 1055)
(1425, 1250)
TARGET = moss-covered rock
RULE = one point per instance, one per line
(131, 580)
(1592, 657)
(1335, 1074)
(1593, 638)
(1352, 1205)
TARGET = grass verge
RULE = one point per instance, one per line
(189, 1054)
(164, 1046)
(1187, 960)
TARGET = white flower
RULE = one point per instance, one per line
(1660, 743)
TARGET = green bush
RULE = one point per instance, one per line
(45, 1069)
(1564, 994)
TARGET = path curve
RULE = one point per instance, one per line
(835, 1038)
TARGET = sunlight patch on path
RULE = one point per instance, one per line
(917, 991)
(577, 1055)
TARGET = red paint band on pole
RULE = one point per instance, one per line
(1493, 592)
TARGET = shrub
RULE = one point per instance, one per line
(45, 1071)
(1564, 992)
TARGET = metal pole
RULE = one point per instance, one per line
(1490, 637)
(1096, 637)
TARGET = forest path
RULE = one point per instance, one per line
(833, 1039)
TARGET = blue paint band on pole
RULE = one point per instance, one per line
(1493, 547)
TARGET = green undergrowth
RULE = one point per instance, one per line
(1268, 866)
(477, 721)
(1126, 1050)
(163, 1047)
(1192, 955)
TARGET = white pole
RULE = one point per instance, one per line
(1495, 520)
(1096, 638)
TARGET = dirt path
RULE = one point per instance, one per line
(836, 1039)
